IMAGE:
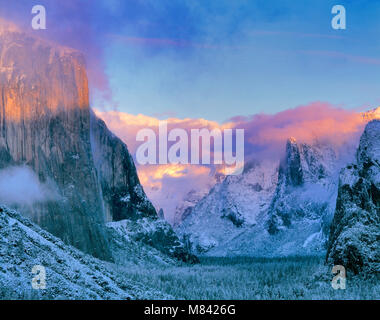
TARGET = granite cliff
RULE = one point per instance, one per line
(354, 240)
(83, 174)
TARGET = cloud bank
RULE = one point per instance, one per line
(265, 139)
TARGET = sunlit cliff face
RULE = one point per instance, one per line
(31, 87)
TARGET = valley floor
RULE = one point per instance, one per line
(250, 278)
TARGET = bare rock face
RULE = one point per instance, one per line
(46, 125)
(305, 184)
(354, 240)
(291, 167)
(216, 224)
(122, 192)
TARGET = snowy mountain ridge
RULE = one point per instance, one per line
(232, 206)
(275, 208)
(355, 231)
(70, 273)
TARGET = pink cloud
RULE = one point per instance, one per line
(266, 134)
(265, 138)
(127, 125)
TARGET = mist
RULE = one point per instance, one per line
(20, 186)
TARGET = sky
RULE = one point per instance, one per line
(217, 59)
(275, 68)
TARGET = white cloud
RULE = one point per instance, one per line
(21, 186)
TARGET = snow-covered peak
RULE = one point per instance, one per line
(293, 197)
(354, 239)
(369, 148)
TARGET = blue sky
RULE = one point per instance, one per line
(246, 57)
(217, 59)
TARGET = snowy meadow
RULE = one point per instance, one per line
(245, 278)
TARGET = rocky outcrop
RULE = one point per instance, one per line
(155, 233)
(123, 195)
(232, 207)
(354, 240)
(306, 185)
(46, 125)
(290, 168)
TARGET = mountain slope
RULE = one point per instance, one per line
(272, 209)
(354, 240)
(231, 207)
(306, 191)
(70, 274)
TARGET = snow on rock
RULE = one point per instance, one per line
(233, 206)
(70, 274)
(354, 240)
(306, 188)
(289, 215)
(154, 235)
(272, 209)
(184, 208)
